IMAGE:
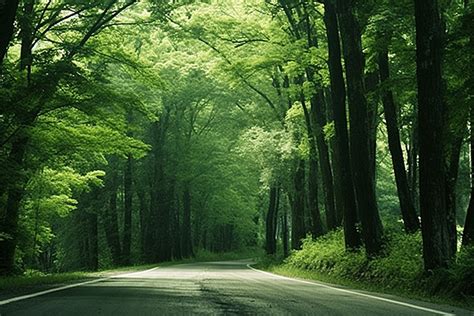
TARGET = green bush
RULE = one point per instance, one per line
(400, 266)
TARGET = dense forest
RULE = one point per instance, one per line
(146, 131)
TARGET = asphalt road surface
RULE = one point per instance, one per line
(215, 288)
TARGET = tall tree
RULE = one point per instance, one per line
(338, 98)
(410, 218)
(431, 107)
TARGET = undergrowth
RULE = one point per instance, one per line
(399, 269)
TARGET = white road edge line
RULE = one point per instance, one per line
(24, 297)
(355, 293)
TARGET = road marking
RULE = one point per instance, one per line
(62, 288)
(355, 293)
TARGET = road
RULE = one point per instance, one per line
(216, 288)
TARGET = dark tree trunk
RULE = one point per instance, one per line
(359, 129)
(318, 118)
(110, 218)
(15, 192)
(297, 216)
(436, 240)
(313, 200)
(127, 219)
(468, 233)
(271, 220)
(92, 241)
(143, 216)
(159, 211)
(339, 194)
(413, 160)
(372, 82)
(8, 9)
(410, 218)
(284, 231)
(187, 229)
(451, 180)
(338, 97)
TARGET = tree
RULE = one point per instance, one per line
(338, 98)
(431, 107)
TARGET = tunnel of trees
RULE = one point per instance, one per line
(145, 131)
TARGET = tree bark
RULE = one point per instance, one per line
(338, 97)
(410, 218)
(110, 218)
(431, 109)
(468, 233)
(15, 192)
(297, 216)
(127, 219)
(339, 194)
(271, 220)
(359, 129)
(187, 228)
(8, 9)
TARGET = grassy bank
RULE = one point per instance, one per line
(398, 271)
(35, 279)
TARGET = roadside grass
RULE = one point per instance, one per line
(398, 271)
(32, 279)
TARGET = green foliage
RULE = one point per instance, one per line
(400, 267)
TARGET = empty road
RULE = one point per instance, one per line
(216, 288)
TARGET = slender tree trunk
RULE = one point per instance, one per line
(339, 194)
(187, 229)
(338, 97)
(93, 241)
(313, 200)
(372, 82)
(111, 220)
(127, 219)
(143, 216)
(318, 117)
(431, 109)
(8, 9)
(297, 216)
(359, 129)
(270, 231)
(284, 230)
(410, 218)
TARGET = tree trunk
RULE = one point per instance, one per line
(15, 192)
(144, 217)
(284, 231)
(8, 9)
(410, 218)
(338, 97)
(127, 219)
(318, 118)
(187, 229)
(271, 220)
(297, 217)
(313, 201)
(110, 219)
(359, 129)
(468, 233)
(372, 82)
(431, 109)
(92, 241)
(339, 194)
